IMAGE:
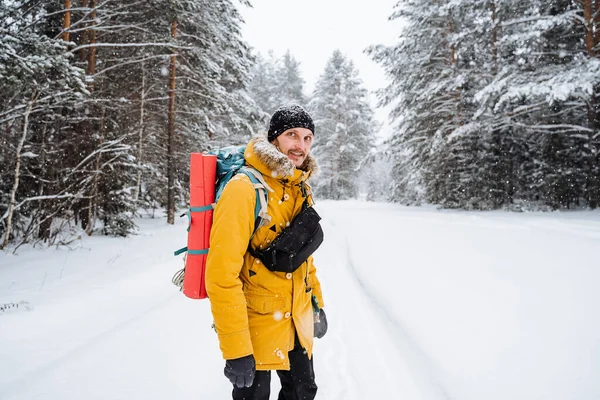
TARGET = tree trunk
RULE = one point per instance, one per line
(494, 43)
(66, 36)
(93, 205)
(452, 47)
(45, 220)
(13, 192)
(138, 186)
(591, 19)
(91, 70)
(589, 26)
(453, 63)
(84, 34)
(171, 133)
(594, 149)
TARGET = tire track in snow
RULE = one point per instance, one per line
(336, 364)
(422, 366)
(370, 364)
(339, 376)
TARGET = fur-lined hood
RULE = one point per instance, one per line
(267, 159)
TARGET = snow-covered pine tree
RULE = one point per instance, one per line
(449, 175)
(289, 84)
(424, 94)
(213, 66)
(544, 94)
(345, 128)
(471, 165)
(196, 47)
(275, 82)
(37, 83)
(110, 171)
(263, 86)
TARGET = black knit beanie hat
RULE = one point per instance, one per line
(288, 117)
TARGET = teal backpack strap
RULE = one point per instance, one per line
(189, 215)
(194, 252)
(261, 216)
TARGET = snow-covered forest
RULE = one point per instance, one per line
(102, 101)
(494, 104)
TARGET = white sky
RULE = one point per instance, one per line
(313, 29)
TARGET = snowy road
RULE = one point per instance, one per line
(421, 305)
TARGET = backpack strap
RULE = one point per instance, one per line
(189, 215)
(261, 217)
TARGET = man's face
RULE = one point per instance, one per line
(295, 143)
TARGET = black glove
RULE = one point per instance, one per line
(320, 324)
(240, 371)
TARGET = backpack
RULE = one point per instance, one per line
(229, 162)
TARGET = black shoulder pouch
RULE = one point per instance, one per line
(294, 244)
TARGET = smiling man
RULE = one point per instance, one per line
(266, 317)
(291, 130)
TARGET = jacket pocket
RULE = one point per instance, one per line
(268, 239)
(264, 304)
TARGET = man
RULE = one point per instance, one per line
(266, 320)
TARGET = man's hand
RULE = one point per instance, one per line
(240, 371)
(320, 324)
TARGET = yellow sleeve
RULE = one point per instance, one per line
(313, 281)
(233, 224)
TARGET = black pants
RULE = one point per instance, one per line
(296, 384)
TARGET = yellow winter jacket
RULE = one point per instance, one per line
(257, 311)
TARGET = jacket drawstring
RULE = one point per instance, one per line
(284, 184)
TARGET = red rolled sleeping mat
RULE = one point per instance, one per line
(203, 173)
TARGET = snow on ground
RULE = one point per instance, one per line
(422, 304)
